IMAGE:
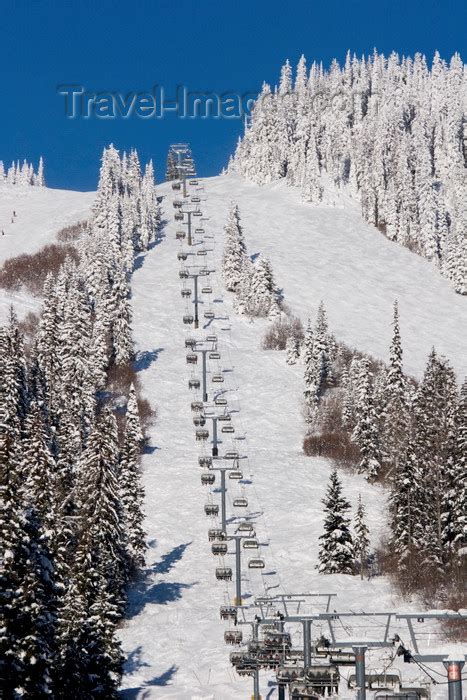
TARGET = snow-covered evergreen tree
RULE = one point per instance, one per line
(361, 542)
(234, 255)
(365, 433)
(336, 553)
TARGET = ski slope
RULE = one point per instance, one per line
(173, 636)
(40, 214)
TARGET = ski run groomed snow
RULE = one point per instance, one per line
(173, 636)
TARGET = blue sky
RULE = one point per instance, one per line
(205, 45)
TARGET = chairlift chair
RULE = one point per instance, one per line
(219, 548)
(235, 475)
(205, 461)
(186, 293)
(175, 185)
(256, 563)
(240, 502)
(183, 274)
(190, 343)
(182, 255)
(214, 355)
(245, 527)
(196, 199)
(202, 252)
(204, 272)
(211, 338)
(196, 213)
(180, 235)
(217, 378)
(302, 691)
(289, 673)
(199, 420)
(193, 182)
(233, 636)
(231, 455)
(228, 429)
(178, 216)
(194, 384)
(202, 434)
(208, 479)
(224, 573)
(209, 315)
(188, 319)
(177, 204)
(277, 639)
(224, 418)
(215, 533)
(192, 358)
(197, 406)
(199, 231)
(211, 509)
(220, 401)
(250, 544)
(228, 612)
(206, 290)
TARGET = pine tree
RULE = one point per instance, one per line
(233, 260)
(365, 433)
(361, 540)
(336, 552)
(292, 349)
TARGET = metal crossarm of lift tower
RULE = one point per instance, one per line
(421, 617)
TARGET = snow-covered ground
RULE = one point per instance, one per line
(173, 635)
(40, 214)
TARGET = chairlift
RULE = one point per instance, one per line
(235, 475)
(188, 319)
(211, 338)
(240, 502)
(206, 290)
(228, 612)
(289, 673)
(224, 573)
(202, 435)
(217, 378)
(227, 429)
(193, 383)
(277, 639)
(250, 544)
(208, 479)
(192, 358)
(180, 235)
(211, 509)
(220, 401)
(256, 564)
(209, 315)
(175, 185)
(186, 293)
(232, 454)
(219, 548)
(302, 691)
(190, 343)
(183, 274)
(233, 636)
(199, 420)
(215, 533)
(323, 678)
(205, 461)
(182, 255)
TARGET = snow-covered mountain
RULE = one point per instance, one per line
(173, 636)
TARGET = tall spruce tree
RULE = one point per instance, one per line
(336, 553)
